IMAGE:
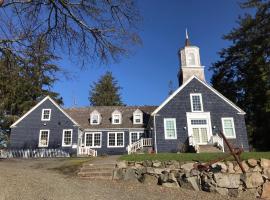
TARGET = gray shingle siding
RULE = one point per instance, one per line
(180, 104)
(26, 133)
(112, 150)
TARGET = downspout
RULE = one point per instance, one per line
(155, 132)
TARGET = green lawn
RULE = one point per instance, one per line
(203, 157)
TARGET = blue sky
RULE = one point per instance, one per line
(145, 75)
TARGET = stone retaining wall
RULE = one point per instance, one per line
(225, 178)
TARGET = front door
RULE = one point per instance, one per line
(199, 130)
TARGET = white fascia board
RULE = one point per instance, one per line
(36, 106)
(240, 111)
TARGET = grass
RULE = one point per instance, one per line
(69, 166)
(203, 157)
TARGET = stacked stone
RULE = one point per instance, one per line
(225, 178)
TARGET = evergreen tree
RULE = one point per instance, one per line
(24, 82)
(105, 92)
(243, 73)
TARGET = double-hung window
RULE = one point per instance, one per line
(228, 127)
(137, 117)
(67, 137)
(95, 118)
(93, 139)
(196, 102)
(170, 128)
(115, 139)
(44, 138)
(46, 115)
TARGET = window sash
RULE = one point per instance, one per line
(116, 139)
(93, 140)
(43, 138)
(67, 137)
(228, 127)
(196, 103)
(137, 119)
(46, 115)
(95, 119)
(170, 128)
(116, 119)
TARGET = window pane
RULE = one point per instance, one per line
(46, 114)
(198, 122)
(44, 138)
(196, 103)
(204, 135)
(228, 123)
(88, 139)
(134, 137)
(120, 139)
(196, 135)
(229, 132)
(170, 129)
(67, 137)
(111, 139)
(97, 139)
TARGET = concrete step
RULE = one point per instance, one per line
(96, 169)
(208, 149)
(105, 165)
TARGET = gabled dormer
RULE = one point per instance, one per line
(116, 117)
(95, 118)
(137, 117)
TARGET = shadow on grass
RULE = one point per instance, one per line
(70, 166)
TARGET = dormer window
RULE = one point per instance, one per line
(46, 115)
(95, 118)
(116, 117)
(137, 117)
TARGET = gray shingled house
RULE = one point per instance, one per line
(191, 118)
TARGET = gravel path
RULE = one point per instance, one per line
(33, 180)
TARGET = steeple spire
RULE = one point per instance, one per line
(187, 43)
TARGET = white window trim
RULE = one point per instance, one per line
(93, 137)
(63, 135)
(120, 118)
(233, 127)
(39, 145)
(165, 131)
(115, 136)
(42, 114)
(191, 102)
(141, 118)
(138, 132)
(91, 118)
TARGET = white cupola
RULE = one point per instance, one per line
(190, 63)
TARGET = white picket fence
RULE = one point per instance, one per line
(87, 151)
(33, 153)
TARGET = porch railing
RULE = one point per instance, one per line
(143, 142)
(216, 139)
(87, 151)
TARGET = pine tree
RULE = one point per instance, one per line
(243, 72)
(23, 82)
(105, 92)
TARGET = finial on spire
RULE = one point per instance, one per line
(187, 43)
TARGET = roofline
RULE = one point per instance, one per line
(204, 83)
(37, 105)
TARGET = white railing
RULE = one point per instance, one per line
(33, 153)
(194, 144)
(143, 142)
(87, 151)
(216, 139)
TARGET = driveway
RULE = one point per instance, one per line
(43, 179)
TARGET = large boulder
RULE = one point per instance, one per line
(122, 164)
(266, 191)
(118, 174)
(265, 163)
(157, 164)
(150, 180)
(230, 167)
(252, 162)
(220, 166)
(227, 180)
(130, 175)
(253, 179)
(170, 185)
(187, 167)
(221, 191)
(266, 173)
